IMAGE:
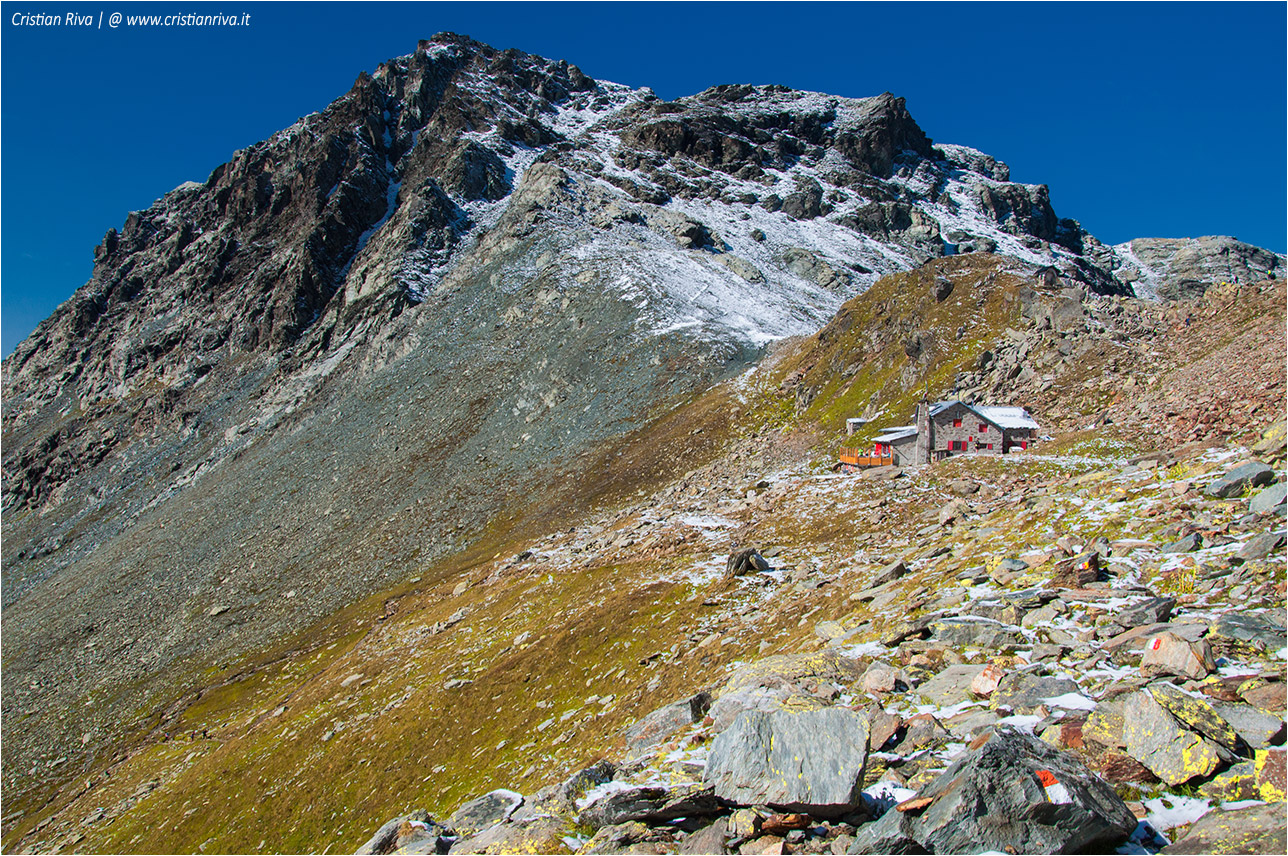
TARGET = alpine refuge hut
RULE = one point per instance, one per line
(948, 428)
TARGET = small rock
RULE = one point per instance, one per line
(1256, 829)
(829, 630)
(763, 846)
(744, 823)
(1105, 724)
(975, 632)
(942, 288)
(745, 562)
(951, 686)
(708, 839)
(881, 726)
(1155, 610)
(478, 814)
(1065, 734)
(665, 721)
(889, 573)
(1239, 782)
(1261, 545)
(1268, 697)
(1120, 768)
(630, 837)
(650, 804)
(1259, 730)
(953, 512)
(986, 681)
(880, 678)
(920, 732)
(1169, 654)
(1077, 571)
(1269, 500)
(1250, 474)
(1272, 786)
(1188, 544)
(781, 824)
(1024, 692)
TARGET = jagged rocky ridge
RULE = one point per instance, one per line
(360, 343)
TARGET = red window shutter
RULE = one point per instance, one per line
(957, 423)
(983, 428)
(990, 445)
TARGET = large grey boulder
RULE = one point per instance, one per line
(1243, 633)
(1188, 544)
(811, 761)
(1155, 610)
(1023, 692)
(975, 632)
(488, 810)
(783, 680)
(1197, 715)
(1250, 474)
(1170, 654)
(746, 561)
(951, 686)
(1169, 750)
(1256, 728)
(1013, 794)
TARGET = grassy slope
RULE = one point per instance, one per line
(285, 753)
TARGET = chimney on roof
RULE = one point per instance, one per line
(925, 441)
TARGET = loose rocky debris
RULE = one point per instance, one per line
(1056, 703)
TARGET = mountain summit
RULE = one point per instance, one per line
(478, 296)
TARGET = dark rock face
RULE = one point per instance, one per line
(1013, 794)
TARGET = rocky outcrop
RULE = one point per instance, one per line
(1183, 268)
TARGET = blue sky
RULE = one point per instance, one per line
(1146, 120)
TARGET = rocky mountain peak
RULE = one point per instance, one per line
(475, 299)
